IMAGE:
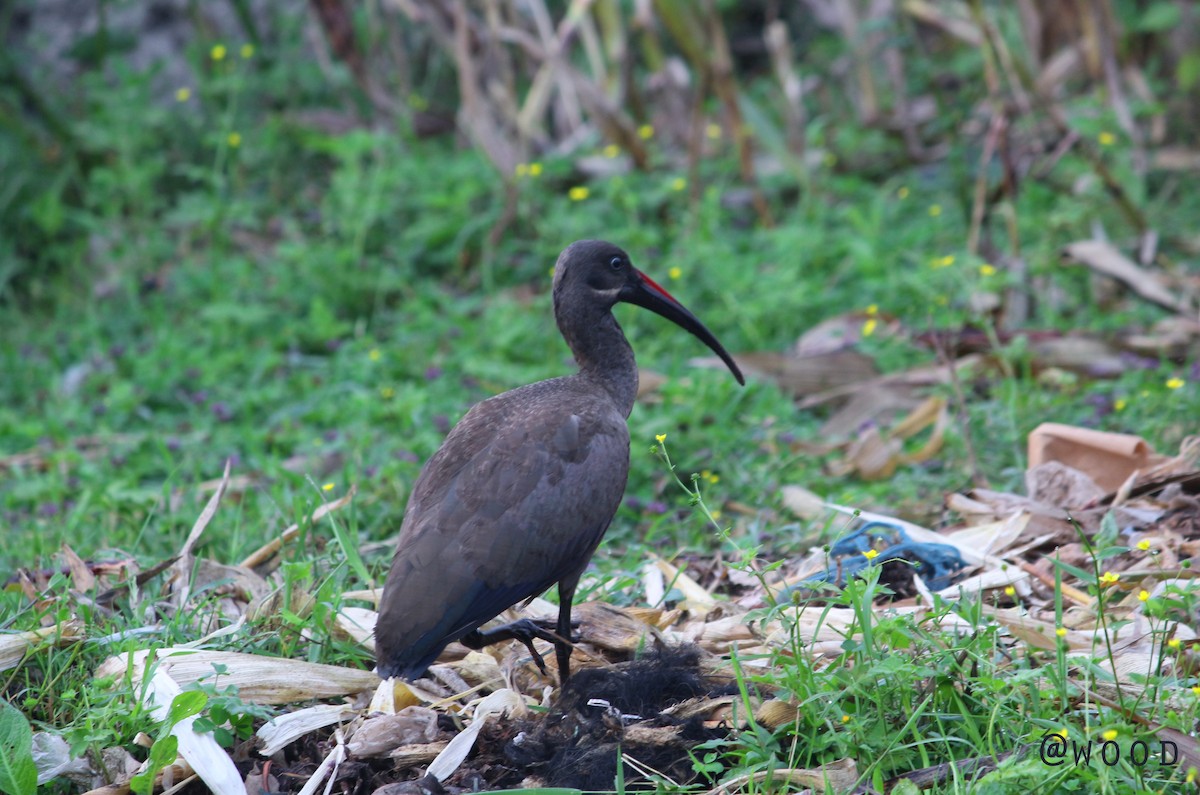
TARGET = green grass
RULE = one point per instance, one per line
(322, 309)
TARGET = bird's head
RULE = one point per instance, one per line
(599, 274)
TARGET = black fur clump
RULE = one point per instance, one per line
(644, 687)
(576, 745)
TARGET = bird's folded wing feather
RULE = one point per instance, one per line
(516, 499)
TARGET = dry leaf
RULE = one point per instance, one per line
(182, 569)
(876, 454)
(500, 703)
(81, 576)
(802, 502)
(266, 551)
(380, 734)
(14, 647)
(328, 767)
(282, 730)
(357, 624)
(696, 599)
(1087, 356)
(1055, 483)
(838, 776)
(611, 628)
(393, 695)
(259, 679)
(1103, 257)
(867, 406)
(804, 375)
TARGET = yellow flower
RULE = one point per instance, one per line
(183, 94)
(1143, 595)
(871, 554)
(521, 170)
(679, 183)
(1010, 591)
(660, 437)
(1061, 632)
(987, 270)
(716, 515)
(646, 131)
(535, 169)
(612, 150)
(387, 393)
(1175, 383)
(578, 193)
(1196, 689)
(674, 273)
(868, 327)
(845, 719)
(1173, 643)
(374, 354)
(327, 487)
(1106, 138)
(1191, 776)
(1144, 545)
(713, 130)
(218, 52)
(902, 193)
(1119, 405)
(935, 210)
(234, 139)
(247, 51)
(709, 476)
(1110, 735)
(1108, 578)
(872, 309)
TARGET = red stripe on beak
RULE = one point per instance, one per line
(642, 291)
(653, 285)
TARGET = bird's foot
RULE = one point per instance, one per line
(524, 630)
(552, 628)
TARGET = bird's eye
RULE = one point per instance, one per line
(615, 263)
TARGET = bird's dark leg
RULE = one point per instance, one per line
(525, 630)
(563, 646)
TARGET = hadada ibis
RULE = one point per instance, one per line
(524, 487)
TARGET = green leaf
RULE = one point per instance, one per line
(1187, 73)
(18, 775)
(349, 546)
(1158, 17)
(185, 705)
(162, 753)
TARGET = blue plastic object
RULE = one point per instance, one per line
(939, 565)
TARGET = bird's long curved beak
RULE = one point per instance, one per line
(642, 291)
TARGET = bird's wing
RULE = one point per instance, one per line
(516, 500)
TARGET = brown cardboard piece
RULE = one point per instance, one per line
(1108, 458)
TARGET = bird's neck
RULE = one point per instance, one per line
(603, 354)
